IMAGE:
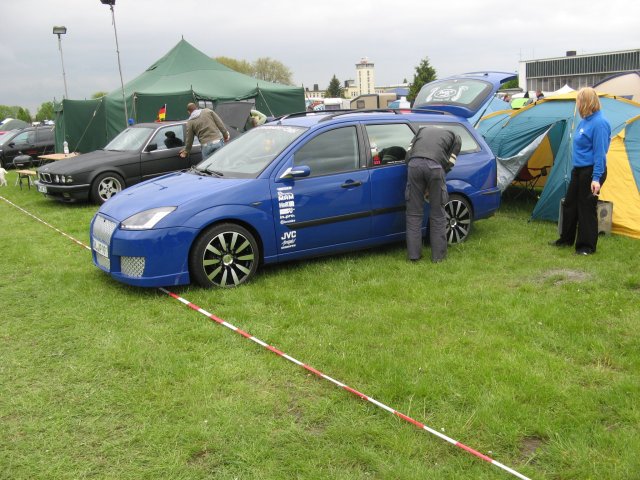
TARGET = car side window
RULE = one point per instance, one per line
(389, 142)
(169, 137)
(22, 138)
(330, 152)
(44, 135)
(469, 144)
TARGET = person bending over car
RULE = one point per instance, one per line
(208, 127)
(431, 154)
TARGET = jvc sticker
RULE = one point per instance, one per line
(288, 240)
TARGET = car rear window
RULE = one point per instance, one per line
(469, 93)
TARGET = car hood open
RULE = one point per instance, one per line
(462, 95)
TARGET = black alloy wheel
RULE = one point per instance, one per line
(224, 255)
(459, 219)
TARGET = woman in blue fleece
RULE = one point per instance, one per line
(590, 144)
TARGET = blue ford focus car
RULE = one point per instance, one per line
(304, 185)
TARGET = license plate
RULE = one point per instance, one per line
(42, 189)
(101, 248)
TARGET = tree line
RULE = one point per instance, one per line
(45, 112)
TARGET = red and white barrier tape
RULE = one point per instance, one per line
(343, 386)
(305, 366)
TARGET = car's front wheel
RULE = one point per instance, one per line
(459, 218)
(105, 186)
(224, 255)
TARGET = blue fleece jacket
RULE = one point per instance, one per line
(591, 143)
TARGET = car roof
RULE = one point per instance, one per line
(311, 119)
(157, 124)
(34, 127)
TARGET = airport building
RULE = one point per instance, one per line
(576, 71)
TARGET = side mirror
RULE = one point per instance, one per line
(12, 144)
(151, 147)
(296, 172)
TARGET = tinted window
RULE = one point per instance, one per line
(389, 143)
(44, 135)
(23, 137)
(465, 92)
(330, 152)
(469, 144)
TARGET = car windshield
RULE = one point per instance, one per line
(249, 154)
(130, 139)
(6, 136)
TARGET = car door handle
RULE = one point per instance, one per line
(351, 183)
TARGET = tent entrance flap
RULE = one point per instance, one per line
(508, 168)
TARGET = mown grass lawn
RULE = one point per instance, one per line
(527, 353)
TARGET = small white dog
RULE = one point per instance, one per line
(3, 180)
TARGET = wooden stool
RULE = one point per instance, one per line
(25, 175)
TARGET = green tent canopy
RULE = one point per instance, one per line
(183, 75)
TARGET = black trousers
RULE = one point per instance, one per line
(426, 176)
(580, 211)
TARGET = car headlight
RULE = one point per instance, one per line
(147, 219)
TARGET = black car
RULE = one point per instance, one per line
(32, 141)
(140, 152)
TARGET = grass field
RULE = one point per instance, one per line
(524, 352)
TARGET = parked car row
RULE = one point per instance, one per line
(32, 141)
(304, 185)
(138, 153)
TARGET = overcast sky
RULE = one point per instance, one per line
(314, 39)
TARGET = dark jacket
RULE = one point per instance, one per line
(436, 143)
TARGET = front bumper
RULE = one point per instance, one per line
(143, 258)
(64, 193)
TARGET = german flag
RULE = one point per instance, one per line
(162, 113)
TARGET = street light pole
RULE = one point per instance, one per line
(111, 3)
(61, 31)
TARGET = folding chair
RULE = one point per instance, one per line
(528, 178)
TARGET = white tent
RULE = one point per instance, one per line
(560, 91)
(622, 85)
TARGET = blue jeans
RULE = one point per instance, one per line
(209, 148)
